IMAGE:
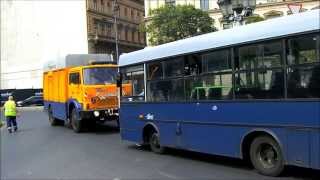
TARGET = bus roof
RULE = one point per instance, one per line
(277, 27)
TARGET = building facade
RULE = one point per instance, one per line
(37, 33)
(264, 8)
(268, 9)
(102, 32)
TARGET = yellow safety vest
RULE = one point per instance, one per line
(10, 108)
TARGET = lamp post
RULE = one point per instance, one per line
(235, 10)
(115, 13)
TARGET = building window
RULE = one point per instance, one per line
(109, 26)
(102, 6)
(95, 4)
(132, 13)
(95, 26)
(126, 11)
(99, 28)
(132, 36)
(204, 5)
(170, 2)
(126, 34)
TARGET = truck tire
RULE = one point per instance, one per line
(75, 122)
(266, 156)
(118, 124)
(52, 120)
(67, 123)
(154, 142)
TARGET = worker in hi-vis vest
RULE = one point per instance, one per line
(10, 112)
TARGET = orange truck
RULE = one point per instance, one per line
(83, 91)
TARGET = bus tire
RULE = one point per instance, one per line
(266, 156)
(75, 122)
(154, 142)
(52, 120)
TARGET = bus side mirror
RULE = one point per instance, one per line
(119, 79)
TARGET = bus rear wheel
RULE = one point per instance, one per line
(154, 142)
(75, 122)
(266, 156)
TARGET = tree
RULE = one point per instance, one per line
(170, 23)
(253, 19)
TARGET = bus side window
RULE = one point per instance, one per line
(192, 65)
(133, 79)
(259, 73)
(154, 71)
(303, 67)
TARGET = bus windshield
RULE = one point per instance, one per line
(99, 76)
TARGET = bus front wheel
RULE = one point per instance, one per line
(266, 156)
(154, 141)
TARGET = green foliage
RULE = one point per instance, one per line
(171, 23)
(253, 19)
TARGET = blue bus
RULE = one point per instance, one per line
(250, 92)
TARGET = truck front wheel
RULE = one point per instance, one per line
(75, 122)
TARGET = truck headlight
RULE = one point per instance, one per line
(96, 113)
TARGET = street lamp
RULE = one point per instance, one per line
(115, 13)
(249, 5)
(226, 8)
(235, 10)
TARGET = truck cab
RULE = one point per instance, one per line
(94, 88)
(82, 93)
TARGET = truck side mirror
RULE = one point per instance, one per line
(119, 79)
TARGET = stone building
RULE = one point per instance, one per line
(100, 24)
(270, 9)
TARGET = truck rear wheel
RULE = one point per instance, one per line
(52, 120)
(67, 123)
(266, 156)
(75, 122)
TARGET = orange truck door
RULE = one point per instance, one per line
(74, 86)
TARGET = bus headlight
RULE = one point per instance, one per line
(96, 113)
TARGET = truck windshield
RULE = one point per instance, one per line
(99, 75)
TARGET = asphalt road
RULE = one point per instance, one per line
(39, 151)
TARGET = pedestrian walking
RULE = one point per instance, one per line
(10, 112)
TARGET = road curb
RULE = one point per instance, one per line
(2, 125)
(30, 108)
